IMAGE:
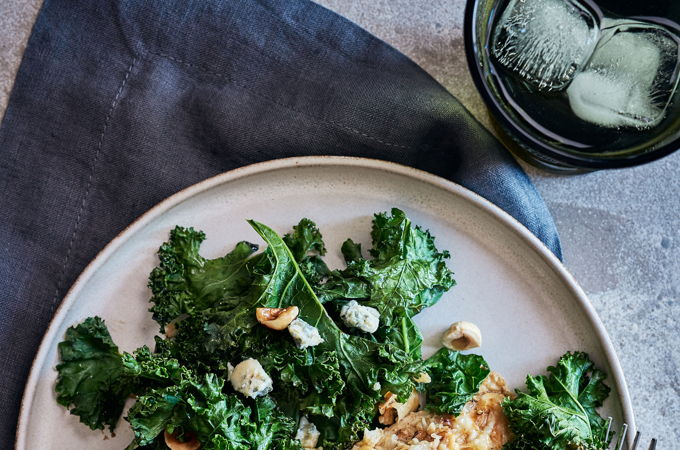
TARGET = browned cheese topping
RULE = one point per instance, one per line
(480, 426)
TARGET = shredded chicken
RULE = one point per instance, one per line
(480, 426)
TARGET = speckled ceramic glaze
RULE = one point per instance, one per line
(529, 308)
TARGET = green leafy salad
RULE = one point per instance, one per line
(272, 349)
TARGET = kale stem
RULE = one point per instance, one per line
(407, 346)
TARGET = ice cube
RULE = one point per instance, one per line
(545, 41)
(631, 77)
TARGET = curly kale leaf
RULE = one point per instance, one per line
(150, 370)
(94, 379)
(340, 287)
(308, 381)
(307, 246)
(455, 380)
(274, 430)
(559, 410)
(406, 270)
(305, 239)
(406, 274)
(214, 329)
(198, 408)
(185, 282)
(195, 347)
(90, 377)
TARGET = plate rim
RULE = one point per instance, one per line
(326, 161)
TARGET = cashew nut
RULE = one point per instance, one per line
(277, 318)
(462, 336)
(170, 330)
(175, 444)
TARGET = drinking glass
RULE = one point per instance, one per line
(539, 127)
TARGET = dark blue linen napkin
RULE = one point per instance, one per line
(120, 104)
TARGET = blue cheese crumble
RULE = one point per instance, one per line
(307, 434)
(304, 334)
(250, 379)
(362, 317)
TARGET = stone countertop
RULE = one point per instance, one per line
(620, 229)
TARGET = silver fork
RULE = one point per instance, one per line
(622, 437)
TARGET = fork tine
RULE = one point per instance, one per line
(652, 445)
(622, 437)
(609, 428)
(635, 441)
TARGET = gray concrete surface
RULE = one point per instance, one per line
(620, 229)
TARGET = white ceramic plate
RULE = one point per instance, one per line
(529, 308)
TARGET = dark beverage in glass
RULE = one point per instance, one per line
(580, 84)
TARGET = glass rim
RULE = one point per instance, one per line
(575, 159)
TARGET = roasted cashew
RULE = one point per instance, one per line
(277, 318)
(462, 336)
(175, 444)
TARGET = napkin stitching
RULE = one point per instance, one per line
(93, 167)
(243, 86)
